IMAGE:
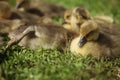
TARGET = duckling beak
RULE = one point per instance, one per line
(82, 41)
(64, 22)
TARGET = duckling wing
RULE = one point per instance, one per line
(112, 33)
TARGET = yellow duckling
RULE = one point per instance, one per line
(80, 15)
(67, 17)
(98, 41)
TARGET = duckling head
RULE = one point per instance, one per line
(21, 4)
(89, 31)
(79, 15)
(67, 16)
(5, 10)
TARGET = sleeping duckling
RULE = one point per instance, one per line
(26, 6)
(5, 10)
(47, 36)
(97, 41)
(40, 7)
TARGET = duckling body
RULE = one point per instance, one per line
(23, 16)
(106, 19)
(11, 18)
(104, 44)
(40, 7)
(8, 25)
(48, 39)
(9, 13)
(90, 48)
(47, 36)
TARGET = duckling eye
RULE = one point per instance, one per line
(68, 17)
(90, 33)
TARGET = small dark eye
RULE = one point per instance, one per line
(90, 33)
(68, 17)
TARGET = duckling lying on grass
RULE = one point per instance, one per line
(9, 13)
(10, 18)
(7, 26)
(47, 36)
(98, 41)
(40, 7)
(26, 6)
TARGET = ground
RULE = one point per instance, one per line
(25, 64)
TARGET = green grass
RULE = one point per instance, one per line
(25, 64)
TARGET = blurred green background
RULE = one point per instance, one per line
(25, 64)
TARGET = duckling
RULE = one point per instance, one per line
(47, 36)
(98, 41)
(67, 17)
(9, 13)
(26, 6)
(5, 10)
(80, 15)
(40, 7)
(50, 9)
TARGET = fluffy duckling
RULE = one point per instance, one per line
(80, 15)
(5, 10)
(67, 17)
(97, 41)
(40, 7)
(47, 36)
(26, 6)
